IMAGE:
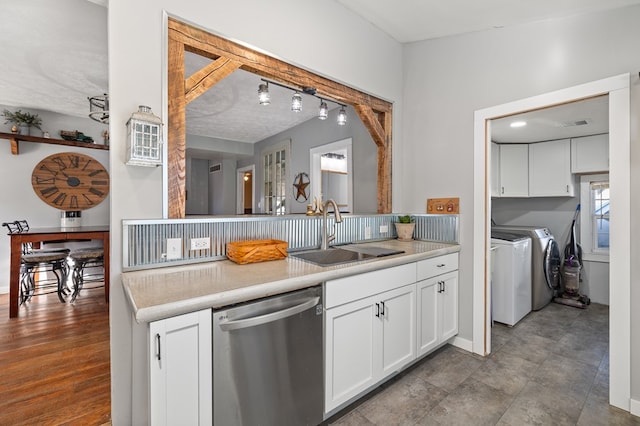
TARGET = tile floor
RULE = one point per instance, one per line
(552, 368)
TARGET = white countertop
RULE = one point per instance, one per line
(165, 292)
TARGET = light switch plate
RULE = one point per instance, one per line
(384, 229)
(200, 243)
(174, 248)
(367, 233)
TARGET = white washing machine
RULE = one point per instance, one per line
(511, 282)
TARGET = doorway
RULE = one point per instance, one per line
(246, 190)
(619, 117)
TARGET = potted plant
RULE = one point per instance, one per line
(404, 227)
(24, 121)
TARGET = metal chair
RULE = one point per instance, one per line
(88, 267)
(37, 261)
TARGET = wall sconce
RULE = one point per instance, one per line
(263, 94)
(342, 117)
(144, 138)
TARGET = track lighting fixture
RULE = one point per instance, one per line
(323, 113)
(263, 94)
(296, 100)
(342, 117)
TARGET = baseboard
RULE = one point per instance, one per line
(635, 407)
(462, 343)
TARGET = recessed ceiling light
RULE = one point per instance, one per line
(518, 124)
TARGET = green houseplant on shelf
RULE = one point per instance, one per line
(404, 227)
(22, 121)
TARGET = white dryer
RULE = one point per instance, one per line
(511, 277)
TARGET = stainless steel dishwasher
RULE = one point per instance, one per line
(268, 361)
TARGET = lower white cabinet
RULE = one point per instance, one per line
(367, 340)
(180, 376)
(437, 311)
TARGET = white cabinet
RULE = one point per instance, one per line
(514, 170)
(437, 298)
(590, 154)
(180, 377)
(369, 330)
(550, 169)
(367, 340)
(495, 169)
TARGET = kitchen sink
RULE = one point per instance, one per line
(336, 256)
(332, 256)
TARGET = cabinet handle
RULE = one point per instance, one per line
(378, 310)
(158, 352)
(443, 286)
(382, 313)
(441, 265)
(567, 189)
(502, 190)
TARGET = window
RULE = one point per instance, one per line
(594, 217)
(275, 178)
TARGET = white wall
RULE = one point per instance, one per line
(17, 198)
(447, 79)
(350, 52)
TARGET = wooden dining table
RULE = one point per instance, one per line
(37, 236)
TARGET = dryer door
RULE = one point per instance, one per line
(552, 263)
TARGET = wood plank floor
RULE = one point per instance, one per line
(54, 362)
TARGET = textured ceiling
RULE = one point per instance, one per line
(55, 56)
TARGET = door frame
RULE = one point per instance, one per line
(618, 89)
(240, 188)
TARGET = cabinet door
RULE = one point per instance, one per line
(427, 324)
(350, 358)
(180, 370)
(550, 169)
(448, 300)
(514, 170)
(590, 154)
(397, 318)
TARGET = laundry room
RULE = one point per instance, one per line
(549, 173)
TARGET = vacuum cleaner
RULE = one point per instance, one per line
(568, 292)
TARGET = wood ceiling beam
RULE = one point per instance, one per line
(176, 131)
(208, 76)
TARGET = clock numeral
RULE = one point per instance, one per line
(60, 162)
(48, 192)
(96, 192)
(45, 167)
(86, 164)
(96, 172)
(87, 200)
(59, 200)
(42, 180)
(99, 182)
(74, 161)
(73, 202)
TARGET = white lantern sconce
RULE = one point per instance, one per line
(144, 138)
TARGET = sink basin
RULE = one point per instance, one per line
(332, 256)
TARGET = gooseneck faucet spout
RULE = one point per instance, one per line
(326, 238)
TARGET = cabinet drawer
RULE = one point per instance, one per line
(437, 265)
(348, 289)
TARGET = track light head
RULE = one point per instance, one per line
(323, 113)
(296, 102)
(342, 117)
(263, 94)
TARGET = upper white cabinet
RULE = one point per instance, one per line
(550, 169)
(514, 170)
(180, 371)
(590, 154)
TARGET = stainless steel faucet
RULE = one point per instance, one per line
(326, 239)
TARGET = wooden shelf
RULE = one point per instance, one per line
(15, 138)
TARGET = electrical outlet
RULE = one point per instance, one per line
(384, 229)
(367, 233)
(200, 243)
(174, 248)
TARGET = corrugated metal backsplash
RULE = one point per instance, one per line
(145, 241)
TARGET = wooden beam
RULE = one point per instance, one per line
(209, 76)
(370, 121)
(176, 131)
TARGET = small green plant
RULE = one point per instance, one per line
(406, 219)
(22, 118)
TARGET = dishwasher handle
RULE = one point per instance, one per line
(270, 317)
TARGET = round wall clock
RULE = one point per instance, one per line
(70, 181)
